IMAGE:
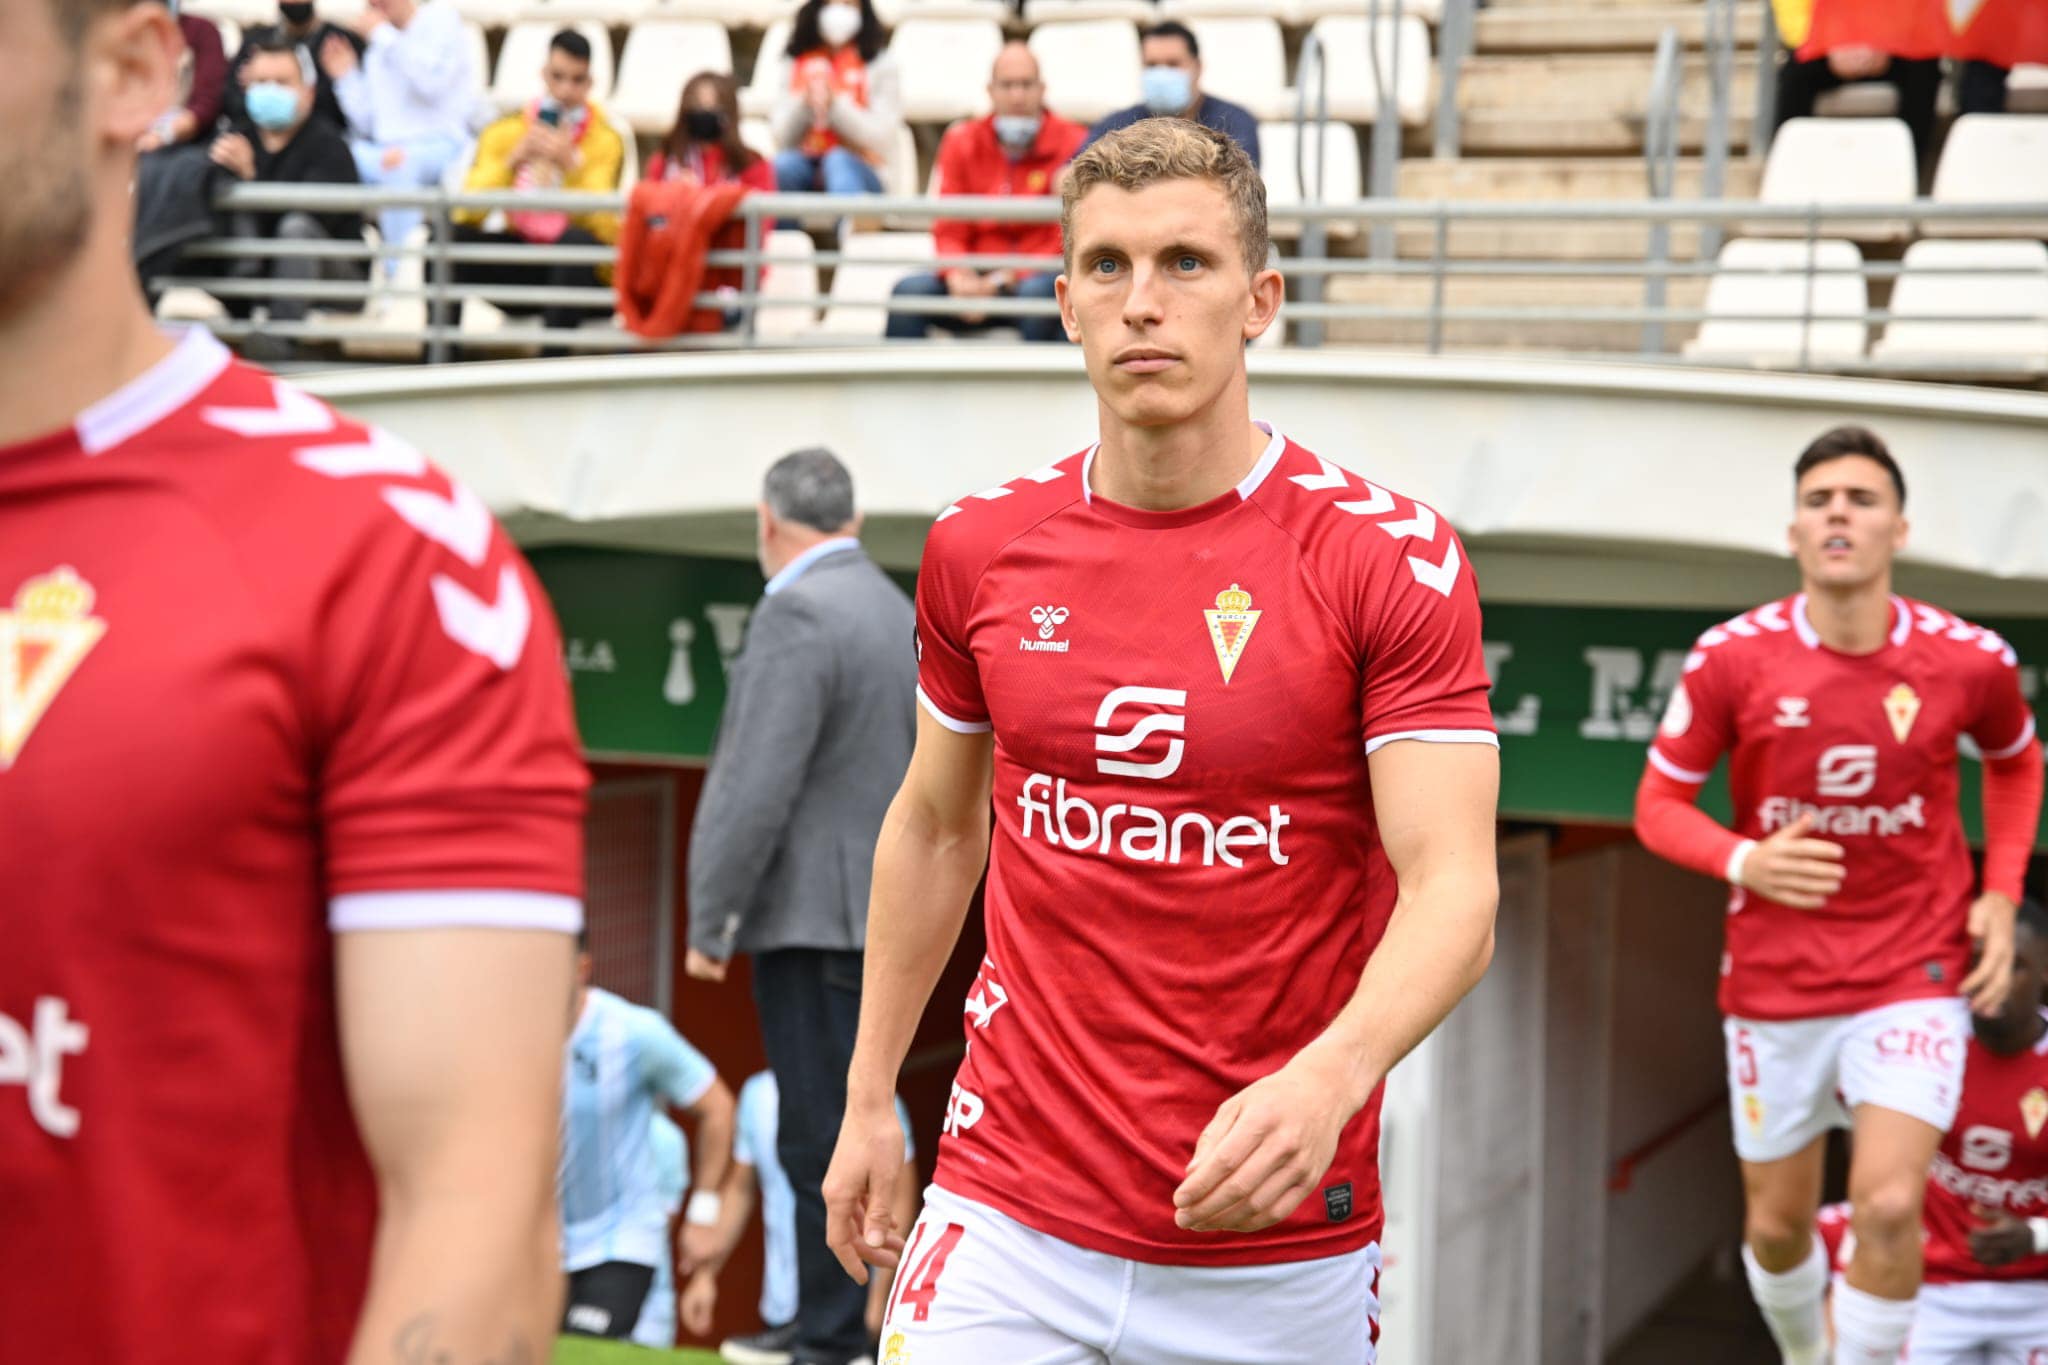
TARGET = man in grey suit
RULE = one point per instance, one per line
(820, 717)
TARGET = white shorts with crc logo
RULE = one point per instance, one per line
(979, 1288)
(1791, 1080)
(1987, 1322)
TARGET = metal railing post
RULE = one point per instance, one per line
(1386, 127)
(1766, 86)
(750, 275)
(1806, 301)
(1720, 75)
(1315, 233)
(1454, 42)
(1436, 277)
(1660, 148)
(440, 317)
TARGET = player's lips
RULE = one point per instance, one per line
(1144, 360)
(1836, 545)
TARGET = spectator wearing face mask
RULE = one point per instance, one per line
(205, 72)
(1016, 151)
(1173, 88)
(704, 146)
(837, 117)
(299, 26)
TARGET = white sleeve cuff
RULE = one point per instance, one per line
(375, 910)
(1733, 873)
(1673, 771)
(958, 727)
(1378, 742)
(2039, 1227)
(2026, 738)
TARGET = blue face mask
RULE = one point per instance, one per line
(1168, 89)
(272, 107)
(1018, 131)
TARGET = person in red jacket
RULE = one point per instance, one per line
(1019, 151)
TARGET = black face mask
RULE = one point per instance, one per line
(298, 16)
(704, 125)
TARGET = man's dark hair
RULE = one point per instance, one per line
(2033, 918)
(1842, 441)
(571, 44)
(273, 42)
(1172, 28)
(810, 487)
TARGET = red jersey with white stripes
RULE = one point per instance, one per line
(265, 675)
(1995, 1156)
(1186, 876)
(1866, 744)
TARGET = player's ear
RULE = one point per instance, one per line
(1269, 289)
(131, 62)
(1067, 318)
(1899, 533)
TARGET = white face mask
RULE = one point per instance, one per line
(839, 25)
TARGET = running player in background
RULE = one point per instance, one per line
(1231, 701)
(624, 1063)
(290, 818)
(1851, 918)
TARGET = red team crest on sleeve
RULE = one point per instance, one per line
(43, 640)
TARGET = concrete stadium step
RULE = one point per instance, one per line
(1602, 6)
(1518, 179)
(1513, 291)
(1583, 103)
(1585, 28)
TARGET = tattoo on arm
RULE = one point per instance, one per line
(417, 1343)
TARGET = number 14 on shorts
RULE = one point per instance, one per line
(920, 1287)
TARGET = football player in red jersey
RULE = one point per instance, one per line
(290, 819)
(1230, 703)
(1847, 981)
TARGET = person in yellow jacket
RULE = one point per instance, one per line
(561, 142)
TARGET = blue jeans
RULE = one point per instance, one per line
(426, 160)
(912, 325)
(839, 171)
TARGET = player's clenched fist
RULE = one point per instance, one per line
(865, 1165)
(1792, 869)
(1264, 1151)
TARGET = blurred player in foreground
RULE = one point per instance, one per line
(1851, 920)
(1231, 701)
(290, 819)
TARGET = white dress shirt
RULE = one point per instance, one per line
(416, 82)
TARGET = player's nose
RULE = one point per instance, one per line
(1145, 298)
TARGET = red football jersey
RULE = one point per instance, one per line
(1186, 876)
(1995, 1156)
(1867, 745)
(265, 675)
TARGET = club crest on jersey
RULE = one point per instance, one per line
(2034, 1109)
(1901, 706)
(1753, 1112)
(1230, 627)
(43, 640)
(896, 1350)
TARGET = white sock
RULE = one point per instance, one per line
(1792, 1305)
(1870, 1330)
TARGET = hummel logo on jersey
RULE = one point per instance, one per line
(35, 1059)
(1048, 620)
(1848, 770)
(42, 643)
(1142, 729)
(1792, 713)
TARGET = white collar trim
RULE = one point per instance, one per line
(1268, 458)
(159, 391)
(1902, 623)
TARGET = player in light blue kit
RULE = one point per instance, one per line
(624, 1065)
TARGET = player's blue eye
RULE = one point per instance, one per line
(1190, 263)
(1104, 265)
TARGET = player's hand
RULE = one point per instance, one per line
(1991, 917)
(2001, 1240)
(1792, 869)
(697, 1302)
(858, 1225)
(1265, 1150)
(703, 967)
(696, 1249)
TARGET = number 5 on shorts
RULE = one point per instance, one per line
(1745, 1059)
(921, 1286)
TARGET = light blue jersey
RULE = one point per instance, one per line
(657, 1325)
(753, 1144)
(624, 1063)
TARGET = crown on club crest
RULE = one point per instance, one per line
(60, 595)
(1233, 598)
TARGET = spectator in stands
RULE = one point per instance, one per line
(1842, 42)
(407, 99)
(836, 120)
(297, 25)
(205, 71)
(1017, 151)
(1173, 88)
(705, 143)
(278, 140)
(562, 141)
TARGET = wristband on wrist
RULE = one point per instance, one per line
(2039, 1227)
(1733, 874)
(703, 1209)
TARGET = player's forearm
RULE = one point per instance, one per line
(2012, 814)
(1672, 826)
(712, 1158)
(735, 1210)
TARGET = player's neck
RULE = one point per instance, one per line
(1854, 620)
(1166, 468)
(81, 340)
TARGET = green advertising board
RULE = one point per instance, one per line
(1577, 693)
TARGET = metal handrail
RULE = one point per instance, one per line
(1720, 20)
(1314, 234)
(1384, 163)
(1454, 33)
(1660, 161)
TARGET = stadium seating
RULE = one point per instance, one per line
(1303, 13)
(2026, 90)
(244, 12)
(1244, 60)
(230, 36)
(1038, 12)
(944, 66)
(1354, 83)
(789, 280)
(1090, 66)
(492, 13)
(764, 85)
(1840, 161)
(860, 292)
(1935, 284)
(1286, 183)
(1743, 309)
(894, 12)
(611, 13)
(1992, 158)
(525, 52)
(755, 133)
(659, 58)
(1858, 99)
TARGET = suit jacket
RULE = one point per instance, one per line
(820, 716)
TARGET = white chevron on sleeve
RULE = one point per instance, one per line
(383, 453)
(1380, 500)
(1331, 477)
(1439, 576)
(1422, 525)
(294, 413)
(461, 522)
(498, 630)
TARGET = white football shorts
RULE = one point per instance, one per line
(1791, 1080)
(977, 1287)
(1986, 1322)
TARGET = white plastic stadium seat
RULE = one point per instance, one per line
(230, 36)
(525, 52)
(899, 173)
(660, 56)
(1354, 86)
(492, 13)
(2026, 90)
(894, 12)
(2015, 281)
(756, 134)
(1858, 99)
(1090, 66)
(1992, 158)
(765, 86)
(479, 58)
(611, 13)
(944, 64)
(1184, 10)
(236, 11)
(789, 280)
(1840, 161)
(1302, 13)
(1244, 60)
(860, 293)
(1734, 333)
(1342, 179)
(1038, 12)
